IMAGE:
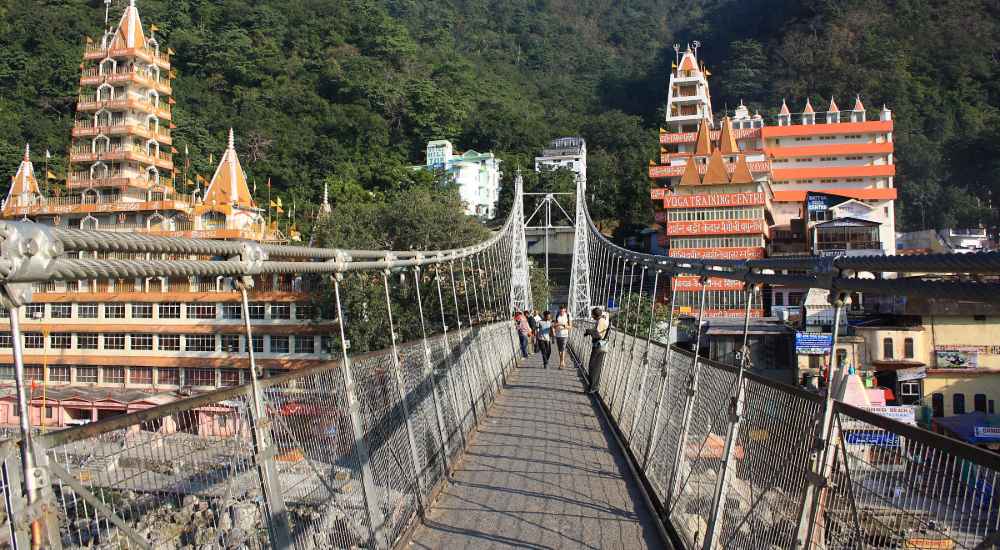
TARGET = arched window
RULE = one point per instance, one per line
(90, 196)
(105, 92)
(937, 405)
(107, 66)
(153, 175)
(153, 124)
(156, 222)
(979, 402)
(152, 148)
(908, 348)
(99, 171)
(958, 403)
(154, 97)
(102, 118)
(887, 348)
(89, 222)
(101, 144)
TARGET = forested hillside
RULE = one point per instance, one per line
(348, 91)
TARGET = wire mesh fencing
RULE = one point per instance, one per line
(732, 461)
(195, 473)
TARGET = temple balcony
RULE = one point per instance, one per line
(92, 76)
(122, 102)
(87, 128)
(90, 203)
(160, 159)
(98, 52)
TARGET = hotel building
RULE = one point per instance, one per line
(98, 348)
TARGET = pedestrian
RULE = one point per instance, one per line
(523, 331)
(561, 331)
(599, 346)
(545, 338)
(530, 317)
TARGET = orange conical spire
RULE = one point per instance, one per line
(858, 106)
(703, 143)
(784, 108)
(129, 34)
(229, 184)
(833, 106)
(23, 183)
(741, 172)
(688, 61)
(690, 176)
(727, 143)
(716, 173)
(809, 108)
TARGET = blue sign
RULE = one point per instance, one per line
(873, 437)
(813, 343)
(816, 203)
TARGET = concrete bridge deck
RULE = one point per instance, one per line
(544, 471)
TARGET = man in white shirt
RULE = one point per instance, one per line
(561, 331)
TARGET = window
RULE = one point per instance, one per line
(170, 377)
(170, 342)
(199, 377)
(113, 375)
(230, 377)
(61, 340)
(199, 342)
(5, 340)
(142, 311)
(979, 402)
(114, 341)
(48, 412)
(142, 342)
(958, 403)
(841, 358)
(62, 311)
(201, 311)
(114, 311)
(140, 375)
(230, 343)
(279, 344)
(4, 314)
(795, 298)
(304, 312)
(908, 348)
(232, 311)
(86, 311)
(86, 375)
(59, 374)
(258, 343)
(257, 310)
(35, 311)
(34, 340)
(281, 311)
(171, 310)
(86, 341)
(937, 405)
(779, 299)
(33, 373)
(887, 348)
(909, 392)
(305, 344)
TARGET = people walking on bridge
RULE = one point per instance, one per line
(561, 331)
(545, 338)
(523, 331)
(533, 324)
(599, 345)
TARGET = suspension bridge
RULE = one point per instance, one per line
(451, 439)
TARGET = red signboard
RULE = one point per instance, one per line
(656, 172)
(717, 227)
(657, 193)
(691, 283)
(713, 200)
(742, 253)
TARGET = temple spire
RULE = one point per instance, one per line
(325, 207)
(23, 186)
(229, 184)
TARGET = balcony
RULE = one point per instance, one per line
(122, 102)
(94, 77)
(136, 153)
(131, 200)
(849, 248)
(99, 52)
(117, 127)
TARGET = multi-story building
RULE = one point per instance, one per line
(476, 174)
(566, 152)
(97, 348)
(714, 186)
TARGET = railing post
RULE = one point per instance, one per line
(612, 385)
(645, 358)
(428, 373)
(449, 374)
(263, 452)
(654, 431)
(401, 388)
(692, 391)
(822, 459)
(736, 406)
(631, 350)
(376, 517)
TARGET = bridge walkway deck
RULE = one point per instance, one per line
(544, 471)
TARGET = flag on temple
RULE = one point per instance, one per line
(153, 28)
(172, 126)
(171, 101)
(48, 155)
(49, 175)
(273, 204)
(172, 73)
(189, 183)
(89, 40)
(174, 150)
(170, 51)
(279, 210)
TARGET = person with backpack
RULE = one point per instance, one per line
(545, 338)
(561, 331)
(599, 345)
(523, 331)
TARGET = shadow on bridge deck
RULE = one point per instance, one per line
(543, 471)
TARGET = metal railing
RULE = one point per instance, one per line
(890, 485)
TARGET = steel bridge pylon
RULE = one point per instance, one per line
(520, 279)
(579, 279)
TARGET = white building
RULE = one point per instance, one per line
(476, 174)
(565, 152)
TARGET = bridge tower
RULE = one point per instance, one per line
(520, 279)
(579, 278)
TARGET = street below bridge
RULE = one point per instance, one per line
(543, 471)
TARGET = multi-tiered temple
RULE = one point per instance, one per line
(102, 347)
